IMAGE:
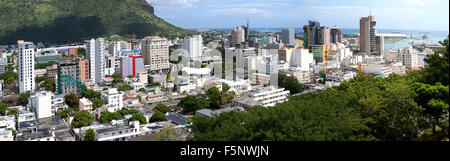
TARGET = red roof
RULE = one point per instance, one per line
(417, 68)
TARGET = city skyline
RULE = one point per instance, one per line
(394, 14)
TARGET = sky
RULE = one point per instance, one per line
(427, 15)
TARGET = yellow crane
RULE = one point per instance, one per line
(133, 47)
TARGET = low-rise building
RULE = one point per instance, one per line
(45, 129)
(45, 104)
(85, 104)
(377, 69)
(113, 99)
(213, 113)
(120, 130)
(6, 135)
(7, 122)
(266, 97)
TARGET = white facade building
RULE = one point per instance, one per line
(95, 52)
(266, 97)
(194, 46)
(26, 67)
(113, 99)
(7, 122)
(302, 59)
(43, 104)
(408, 57)
(377, 69)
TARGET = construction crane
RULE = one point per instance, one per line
(133, 47)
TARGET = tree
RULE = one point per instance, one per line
(89, 93)
(142, 90)
(23, 98)
(108, 117)
(157, 117)
(225, 87)
(63, 114)
(290, 83)
(125, 87)
(81, 52)
(437, 66)
(214, 98)
(97, 103)
(3, 108)
(139, 117)
(161, 108)
(90, 135)
(190, 104)
(82, 119)
(72, 101)
(434, 98)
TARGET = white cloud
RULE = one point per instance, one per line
(172, 4)
(239, 11)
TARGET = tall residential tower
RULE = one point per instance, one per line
(26, 66)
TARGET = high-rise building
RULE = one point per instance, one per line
(336, 35)
(367, 32)
(131, 65)
(238, 36)
(95, 52)
(193, 45)
(312, 34)
(84, 69)
(156, 53)
(26, 66)
(301, 59)
(325, 35)
(69, 80)
(288, 36)
(116, 46)
(379, 41)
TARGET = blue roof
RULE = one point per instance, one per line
(134, 52)
(128, 116)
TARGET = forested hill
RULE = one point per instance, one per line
(57, 21)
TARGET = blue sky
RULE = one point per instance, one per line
(389, 14)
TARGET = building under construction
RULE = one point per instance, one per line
(69, 80)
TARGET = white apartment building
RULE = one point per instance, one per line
(377, 69)
(113, 99)
(302, 59)
(116, 46)
(408, 57)
(143, 77)
(43, 104)
(194, 46)
(26, 66)
(156, 53)
(266, 97)
(95, 52)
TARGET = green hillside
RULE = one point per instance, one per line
(74, 20)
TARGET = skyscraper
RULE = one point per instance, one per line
(193, 45)
(288, 36)
(26, 66)
(312, 34)
(238, 36)
(155, 51)
(336, 35)
(367, 34)
(325, 35)
(95, 52)
(379, 39)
